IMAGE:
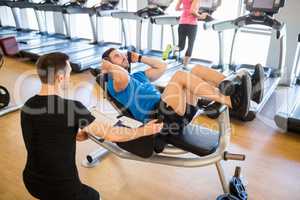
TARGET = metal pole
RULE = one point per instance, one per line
(162, 37)
(39, 21)
(124, 33)
(173, 35)
(66, 19)
(231, 62)
(282, 55)
(94, 26)
(139, 35)
(149, 36)
(222, 177)
(221, 63)
(16, 18)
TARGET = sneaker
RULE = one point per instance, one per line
(241, 99)
(257, 80)
(159, 144)
(167, 51)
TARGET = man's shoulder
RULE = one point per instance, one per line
(141, 76)
(38, 101)
(73, 103)
(138, 73)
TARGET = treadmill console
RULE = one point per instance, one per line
(112, 2)
(164, 4)
(267, 6)
(209, 6)
(109, 4)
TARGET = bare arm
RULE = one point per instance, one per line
(178, 5)
(195, 8)
(157, 68)
(119, 75)
(81, 136)
(122, 134)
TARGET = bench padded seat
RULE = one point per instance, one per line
(195, 139)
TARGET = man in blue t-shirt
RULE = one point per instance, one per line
(176, 106)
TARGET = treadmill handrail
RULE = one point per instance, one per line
(105, 13)
(264, 20)
(165, 19)
(245, 21)
(49, 7)
(19, 4)
(121, 14)
(71, 9)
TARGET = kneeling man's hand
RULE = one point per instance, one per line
(81, 136)
(152, 127)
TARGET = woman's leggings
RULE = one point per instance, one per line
(187, 31)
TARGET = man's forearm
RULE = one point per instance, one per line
(153, 62)
(116, 134)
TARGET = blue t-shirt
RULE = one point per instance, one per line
(140, 96)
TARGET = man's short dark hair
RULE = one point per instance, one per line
(106, 54)
(49, 65)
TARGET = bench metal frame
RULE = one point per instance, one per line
(173, 156)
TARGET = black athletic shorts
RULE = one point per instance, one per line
(173, 123)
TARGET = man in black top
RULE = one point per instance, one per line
(51, 125)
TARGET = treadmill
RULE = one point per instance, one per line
(5, 29)
(147, 14)
(16, 31)
(73, 45)
(261, 13)
(26, 38)
(47, 39)
(288, 117)
(91, 57)
(23, 36)
(208, 6)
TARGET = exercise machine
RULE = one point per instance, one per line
(91, 57)
(154, 14)
(72, 45)
(147, 14)
(195, 147)
(208, 6)
(5, 99)
(41, 10)
(288, 117)
(27, 38)
(21, 34)
(261, 13)
(82, 53)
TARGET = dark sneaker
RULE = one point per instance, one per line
(159, 144)
(241, 99)
(258, 83)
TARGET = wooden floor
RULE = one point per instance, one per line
(272, 168)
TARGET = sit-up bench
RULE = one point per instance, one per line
(207, 146)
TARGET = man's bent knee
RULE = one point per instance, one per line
(198, 69)
(179, 77)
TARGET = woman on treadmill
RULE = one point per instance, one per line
(187, 27)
